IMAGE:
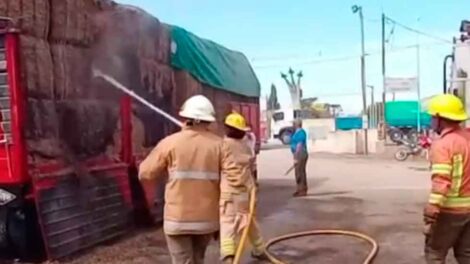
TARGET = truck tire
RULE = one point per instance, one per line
(396, 135)
(17, 232)
(286, 137)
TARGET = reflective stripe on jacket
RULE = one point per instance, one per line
(244, 159)
(451, 171)
(194, 159)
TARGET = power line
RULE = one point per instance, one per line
(345, 58)
(417, 31)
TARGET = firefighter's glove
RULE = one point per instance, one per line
(430, 213)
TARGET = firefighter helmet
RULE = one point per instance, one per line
(447, 106)
(237, 121)
(198, 107)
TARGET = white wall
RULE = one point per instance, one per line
(322, 137)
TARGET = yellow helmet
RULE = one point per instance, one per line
(237, 121)
(447, 106)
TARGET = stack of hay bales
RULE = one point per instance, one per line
(61, 41)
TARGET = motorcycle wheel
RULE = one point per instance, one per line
(401, 154)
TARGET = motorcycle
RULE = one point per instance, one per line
(412, 148)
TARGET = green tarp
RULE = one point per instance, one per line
(405, 114)
(213, 64)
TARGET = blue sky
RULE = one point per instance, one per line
(322, 39)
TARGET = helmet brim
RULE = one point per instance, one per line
(210, 119)
(246, 129)
(453, 117)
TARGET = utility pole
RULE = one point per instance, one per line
(358, 9)
(373, 115)
(418, 88)
(384, 77)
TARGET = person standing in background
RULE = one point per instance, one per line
(298, 148)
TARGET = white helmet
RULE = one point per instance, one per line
(198, 107)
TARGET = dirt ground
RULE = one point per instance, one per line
(379, 197)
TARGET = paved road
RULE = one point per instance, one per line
(379, 197)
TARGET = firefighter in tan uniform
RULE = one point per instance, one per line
(447, 214)
(234, 202)
(195, 160)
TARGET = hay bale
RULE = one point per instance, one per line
(143, 33)
(31, 16)
(87, 127)
(42, 130)
(36, 69)
(156, 79)
(72, 71)
(185, 87)
(72, 21)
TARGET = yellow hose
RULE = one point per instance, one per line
(370, 257)
(246, 230)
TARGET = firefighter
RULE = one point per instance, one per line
(447, 214)
(234, 202)
(194, 159)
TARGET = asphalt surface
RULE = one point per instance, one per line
(379, 197)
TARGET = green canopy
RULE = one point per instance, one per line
(213, 64)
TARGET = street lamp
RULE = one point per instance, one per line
(358, 9)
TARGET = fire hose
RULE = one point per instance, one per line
(374, 247)
(368, 260)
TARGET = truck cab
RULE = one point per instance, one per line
(281, 125)
(458, 80)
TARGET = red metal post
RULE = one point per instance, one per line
(126, 130)
(20, 170)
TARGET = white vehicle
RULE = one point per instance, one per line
(458, 80)
(282, 123)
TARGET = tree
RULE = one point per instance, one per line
(273, 103)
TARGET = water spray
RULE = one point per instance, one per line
(118, 85)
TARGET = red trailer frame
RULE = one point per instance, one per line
(76, 206)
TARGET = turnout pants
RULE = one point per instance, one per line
(188, 249)
(301, 172)
(449, 231)
(231, 226)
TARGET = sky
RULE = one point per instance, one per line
(322, 39)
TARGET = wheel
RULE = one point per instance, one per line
(17, 232)
(396, 135)
(401, 154)
(412, 135)
(286, 137)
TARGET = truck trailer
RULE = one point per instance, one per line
(70, 144)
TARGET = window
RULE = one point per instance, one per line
(279, 116)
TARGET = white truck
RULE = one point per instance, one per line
(282, 123)
(458, 80)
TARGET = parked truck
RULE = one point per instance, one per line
(456, 68)
(70, 144)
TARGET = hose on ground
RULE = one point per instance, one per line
(370, 257)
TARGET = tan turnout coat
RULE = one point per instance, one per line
(194, 158)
